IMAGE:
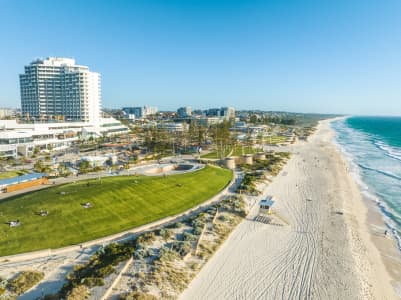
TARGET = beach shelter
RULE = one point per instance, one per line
(265, 206)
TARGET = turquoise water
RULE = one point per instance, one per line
(373, 145)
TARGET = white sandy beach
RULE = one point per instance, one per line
(327, 251)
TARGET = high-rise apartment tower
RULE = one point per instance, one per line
(57, 89)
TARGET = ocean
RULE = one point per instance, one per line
(373, 147)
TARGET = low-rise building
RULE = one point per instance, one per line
(139, 112)
(7, 112)
(208, 121)
(173, 127)
(21, 138)
(184, 112)
(226, 113)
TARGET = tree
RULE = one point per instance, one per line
(253, 119)
(61, 169)
(84, 165)
(36, 150)
(38, 166)
(222, 138)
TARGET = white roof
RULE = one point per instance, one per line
(14, 134)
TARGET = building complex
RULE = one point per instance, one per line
(61, 103)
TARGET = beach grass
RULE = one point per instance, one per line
(118, 203)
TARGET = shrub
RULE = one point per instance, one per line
(197, 222)
(146, 238)
(194, 266)
(149, 252)
(178, 225)
(184, 248)
(167, 254)
(222, 218)
(97, 169)
(99, 266)
(197, 230)
(164, 233)
(138, 296)
(141, 275)
(139, 254)
(24, 281)
(78, 293)
(93, 281)
(189, 237)
(105, 271)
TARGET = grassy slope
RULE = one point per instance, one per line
(240, 150)
(276, 139)
(236, 152)
(118, 204)
(213, 154)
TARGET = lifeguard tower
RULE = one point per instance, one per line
(265, 206)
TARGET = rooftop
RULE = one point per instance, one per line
(267, 202)
(55, 61)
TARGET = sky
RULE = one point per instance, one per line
(302, 56)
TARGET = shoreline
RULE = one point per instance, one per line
(328, 250)
(384, 255)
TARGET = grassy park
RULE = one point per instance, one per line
(215, 155)
(242, 150)
(232, 151)
(118, 203)
(275, 139)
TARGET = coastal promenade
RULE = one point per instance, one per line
(326, 252)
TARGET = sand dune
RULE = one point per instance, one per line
(325, 252)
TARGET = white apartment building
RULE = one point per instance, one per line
(61, 103)
(173, 127)
(57, 88)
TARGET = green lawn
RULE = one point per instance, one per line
(237, 151)
(276, 139)
(119, 203)
(10, 174)
(241, 150)
(213, 154)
